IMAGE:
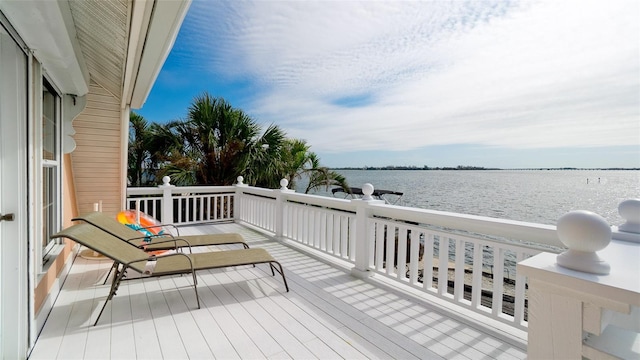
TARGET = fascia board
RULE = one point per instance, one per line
(163, 29)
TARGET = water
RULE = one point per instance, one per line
(538, 196)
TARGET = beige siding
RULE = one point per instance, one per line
(97, 167)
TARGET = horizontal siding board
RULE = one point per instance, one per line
(95, 139)
(99, 155)
(103, 178)
(95, 123)
(97, 158)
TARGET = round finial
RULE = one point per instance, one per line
(240, 180)
(584, 233)
(283, 184)
(166, 180)
(367, 190)
(630, 211)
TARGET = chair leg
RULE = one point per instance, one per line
(281, 271)
(272, 268)
(109, 273)
(195, 288)
(117, 277)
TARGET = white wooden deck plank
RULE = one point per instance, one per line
(397, 346)
(165, 327)
(328, 330)
(329, 275)
(98, 340)
(51, 336)
(146, 341)
(174, 288)
(75, 335)
(262, 338)
(331, 333)
(332, 308)
(278, 307)
(254, 291)
(235, 333)
(98, 345)
(325, 351)
(121, 325)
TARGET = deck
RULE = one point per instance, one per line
(246, 314)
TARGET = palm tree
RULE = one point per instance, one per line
(216, 144)
(298, 162)
(138, 154)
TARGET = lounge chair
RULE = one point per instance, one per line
(165, 241)
(139, 261)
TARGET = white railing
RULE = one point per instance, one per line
(476, 269)
(183, 205)
(466, 260)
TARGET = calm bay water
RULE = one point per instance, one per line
(538, 196)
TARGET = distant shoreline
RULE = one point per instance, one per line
(467, 168)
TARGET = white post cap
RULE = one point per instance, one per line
(584, 233)
(283, 184)
(367, 190)
(630, 211)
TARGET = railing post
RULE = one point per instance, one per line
(363, 237)
(280, 207)
(237, 198)
(167, 200)
(580, 302)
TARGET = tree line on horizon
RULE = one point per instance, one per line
(425, 167)
(215, 144)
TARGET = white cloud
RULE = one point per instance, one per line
(520, 75)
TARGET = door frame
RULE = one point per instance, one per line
(15, 298)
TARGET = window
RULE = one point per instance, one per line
(50, 164)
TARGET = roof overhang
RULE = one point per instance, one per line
(119, 44)
(48, 29)
(153, 46)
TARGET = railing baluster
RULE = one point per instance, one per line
(402, 253)
(427, 271)
(476, 285)
(458, 292)
(443, 265)
(351, 238)
(498, 281)
(313, 228)
(339, 235)
(344, 236)
(379, 245)
(415, 254)
(329, 230)
(518, 316)
(390, 248)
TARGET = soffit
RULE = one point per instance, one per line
(102, 32)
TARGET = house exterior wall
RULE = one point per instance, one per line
(97, 161)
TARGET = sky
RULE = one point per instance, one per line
(501, 84)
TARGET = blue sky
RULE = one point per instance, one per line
(508, 84)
